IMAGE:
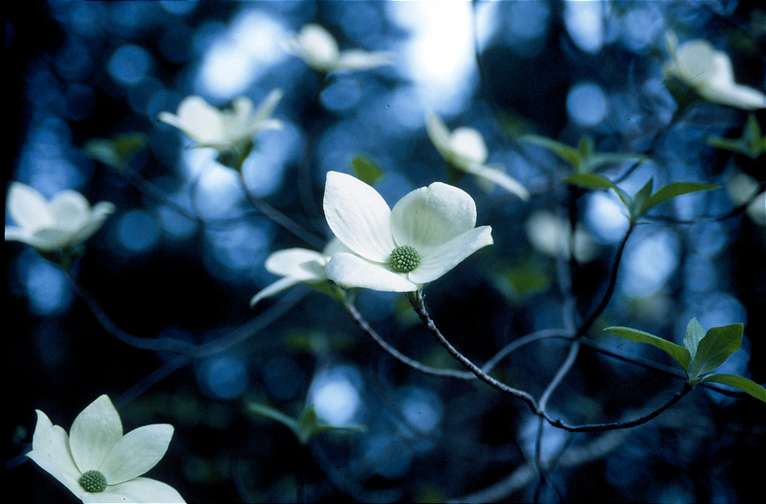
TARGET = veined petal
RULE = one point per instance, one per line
(439, 134)
(50, 450)
(437, 261)
(70, 210)
(138, 451)
(499, 177)
(272, 289)
(98, 215)
(290, 263)
(356, 59)
(349, 270)
(468, 145)
(139, 490)
(430, 216)
(28, 207)
(94, 433)
(358, 216)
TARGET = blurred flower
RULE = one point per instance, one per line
(314, 45)
(464, 149)
(550, 235)
(429, 232)
(708, 71)
(64, 222)
(297, 265)
(97, 463)
(224, 130)
(744, 189)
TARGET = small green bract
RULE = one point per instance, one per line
(404, 259)
(93, 482)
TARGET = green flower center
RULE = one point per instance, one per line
(92, 482)
(404, 259)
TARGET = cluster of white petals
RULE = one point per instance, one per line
(65, 221)
(464, 148)
(709, 72)
(98, 456)
(224, 129)
(319, 50)
(297, 265)
(428, 232)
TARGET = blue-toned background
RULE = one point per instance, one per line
(82, 70)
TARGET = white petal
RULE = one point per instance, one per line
(138, 451)
(94, 433)
(28, 207)
(694, 62)
(358, 216)
(735, 95)
(437, 261)
(272, 289)
(430, 216)
(99, 214)
(499, 177)
(139, 490)
(50, 450)
(200, 121)
(317, 47)
(333, 248)
(290, 263)
(356, 59)
(70, 210)
(349, 270)
(267, 106)
(468, 145)
(22, 235)
(439, 134)
(49, 239)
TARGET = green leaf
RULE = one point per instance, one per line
(366, 169)
(585, 147)
(677, 352)
(674, 190)
(641, 197)
(694, 334)
(717, 345)
(590, 181)
(752, 136)
(566, 153)
(740, 382)
(730, 145)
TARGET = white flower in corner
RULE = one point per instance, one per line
(97, 463)
(708, 71)
(297, 265)
(464, 149)
(224, 129)
(64, 222)
(429, 232)
(315, 46)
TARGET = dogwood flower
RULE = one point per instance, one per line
(464, 149)
(64, 222)
(224, 130)
(97, 463)
(708, 71)
(319, 50)
(297, 265)
(428, 232)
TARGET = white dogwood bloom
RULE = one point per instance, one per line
(65, 221)
(97, 463)
(464, 148)
(224, 129)
(428, 232)
(297, 265)
(709, 72)
(319, 50)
